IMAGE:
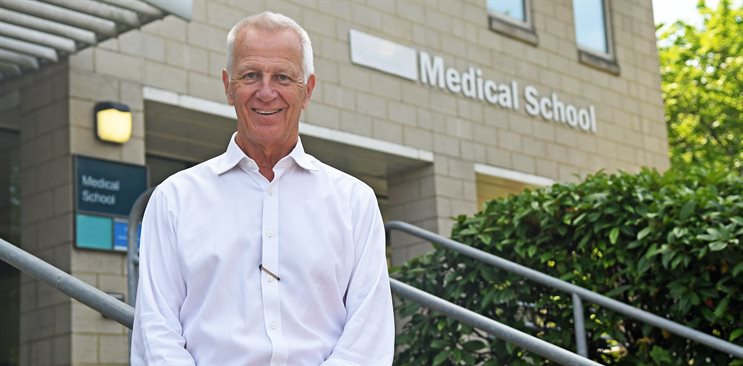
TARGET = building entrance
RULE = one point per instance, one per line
(10, 213)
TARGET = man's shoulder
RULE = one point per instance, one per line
(342, 179)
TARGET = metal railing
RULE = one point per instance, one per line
(490, 326)
(70, 285)
(576, 292)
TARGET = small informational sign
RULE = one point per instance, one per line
(105, 192)
(107, 187)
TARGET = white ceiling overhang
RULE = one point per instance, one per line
(38, 32)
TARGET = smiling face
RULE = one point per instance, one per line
(266, 86)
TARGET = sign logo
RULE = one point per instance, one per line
(392, 58)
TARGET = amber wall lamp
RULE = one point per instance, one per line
(113, 122)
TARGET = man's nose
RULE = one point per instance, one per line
(266, 92)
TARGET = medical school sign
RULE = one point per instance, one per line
(104, 194)
(395, 59)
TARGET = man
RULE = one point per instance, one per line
(264, 255)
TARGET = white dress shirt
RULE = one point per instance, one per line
(202, 298)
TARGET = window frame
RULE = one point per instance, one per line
(514, 28)
(596, 59)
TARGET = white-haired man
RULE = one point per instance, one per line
(264, 255)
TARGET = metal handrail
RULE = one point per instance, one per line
(70, 285)
(576, 291)
(492, 327)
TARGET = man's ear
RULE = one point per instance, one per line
(227, 91)
(310, 85)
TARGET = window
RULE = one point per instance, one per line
(490, 187)
(510, 8)
(512, 18)
(590, 25)
(593, 34)
(160, 168)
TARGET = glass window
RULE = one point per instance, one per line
(591, 31)
(511, 8)
(512, 18)
(490, 187)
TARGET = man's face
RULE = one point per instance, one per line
(267, 88)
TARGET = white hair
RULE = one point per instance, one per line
(272, 22)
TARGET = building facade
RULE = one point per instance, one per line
(437, 105)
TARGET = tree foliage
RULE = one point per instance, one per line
(702, 73)
(667, 243)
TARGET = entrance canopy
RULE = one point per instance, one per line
(34, 33)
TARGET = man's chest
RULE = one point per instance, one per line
(305, 240)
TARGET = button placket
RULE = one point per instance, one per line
(271, 286)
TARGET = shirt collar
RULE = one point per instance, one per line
(234, 155)
(303, 159)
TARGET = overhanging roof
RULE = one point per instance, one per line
(38, 32)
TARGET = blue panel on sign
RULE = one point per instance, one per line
(120, 235)
(93, 232)
(121, 227)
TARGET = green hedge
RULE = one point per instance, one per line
(666, 243)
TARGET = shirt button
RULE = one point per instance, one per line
(270, 278)
(270, 191)
(273, 325)
(269, 234)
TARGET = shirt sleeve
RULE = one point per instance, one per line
(369, 334)
(157, 334)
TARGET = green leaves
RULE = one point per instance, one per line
(440, 358)
(613, 235)
(669, 244)
(721, 236)
(701, 84)
(644, 232)
(660, 356)
(687, 210)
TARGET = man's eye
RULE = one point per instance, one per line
(283, 78)
(250, 76)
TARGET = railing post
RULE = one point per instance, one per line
(580, 327)
(132, 251)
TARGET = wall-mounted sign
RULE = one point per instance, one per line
(399, 60)
(104, 194)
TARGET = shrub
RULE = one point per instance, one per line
(666, 243)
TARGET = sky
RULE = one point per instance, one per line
(669, 11)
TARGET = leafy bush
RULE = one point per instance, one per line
(667, 243)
